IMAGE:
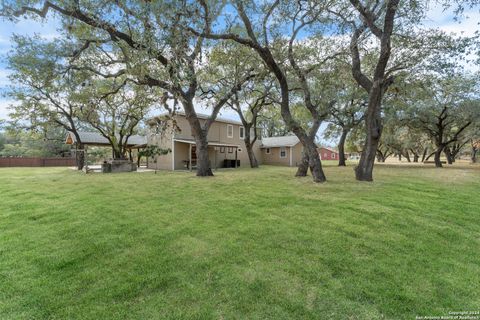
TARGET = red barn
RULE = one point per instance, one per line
(327, 154)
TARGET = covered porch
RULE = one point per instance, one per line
(221, 155)
(93, 139)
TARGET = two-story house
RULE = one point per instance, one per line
(226, 146)
(225, 143)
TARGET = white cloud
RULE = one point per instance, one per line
(444, 19)
(437, 14)
(467, 27)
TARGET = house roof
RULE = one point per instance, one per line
(200, 116)
(328, 149)
(286, 141)
(94, 138)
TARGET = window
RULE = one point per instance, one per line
(333, 155)
(283, 152)
(222, 149)
(267, 151)
(239, 150)
(242, 132)
(229, 131)
(230, 149)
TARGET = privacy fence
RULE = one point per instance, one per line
(36, 162)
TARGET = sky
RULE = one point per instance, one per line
(437, 17)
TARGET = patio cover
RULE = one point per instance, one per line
(96, 139)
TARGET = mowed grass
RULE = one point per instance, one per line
(245, 244)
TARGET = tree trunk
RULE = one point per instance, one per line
(448, 155)
(407, 156)
(341, 148)
(314, 160)
(249, 145)
(308, 143)
(117, 154)
(473, 156)
(380, 157)
(203, 162)
(80, 156)
(424, 155)
(415, 157)
(201, 141)
(375, 89)
(139, 157)
(251, 154)
(373, 124)
(438, 153)
(303, 166)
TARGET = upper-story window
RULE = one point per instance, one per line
(242, 132)
(229, 131)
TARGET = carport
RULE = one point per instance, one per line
(135, 142)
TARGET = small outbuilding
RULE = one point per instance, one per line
(283, 151)
(327, 154)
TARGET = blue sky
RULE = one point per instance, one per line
(48, 29)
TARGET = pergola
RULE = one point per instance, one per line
(96, 139)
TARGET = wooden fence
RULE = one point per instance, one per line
(37, 162)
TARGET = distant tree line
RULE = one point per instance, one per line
(28, 143)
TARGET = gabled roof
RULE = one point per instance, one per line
(286, 141)
(95, 138)
(199, 115)
(328, 149)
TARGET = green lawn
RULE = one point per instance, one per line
(246, 244)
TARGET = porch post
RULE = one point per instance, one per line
(86, 158)
(236, 150)
(215, 157)
(291, 156)
(190, 156)
(173, 154)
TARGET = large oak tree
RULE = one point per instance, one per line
(146, 42)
